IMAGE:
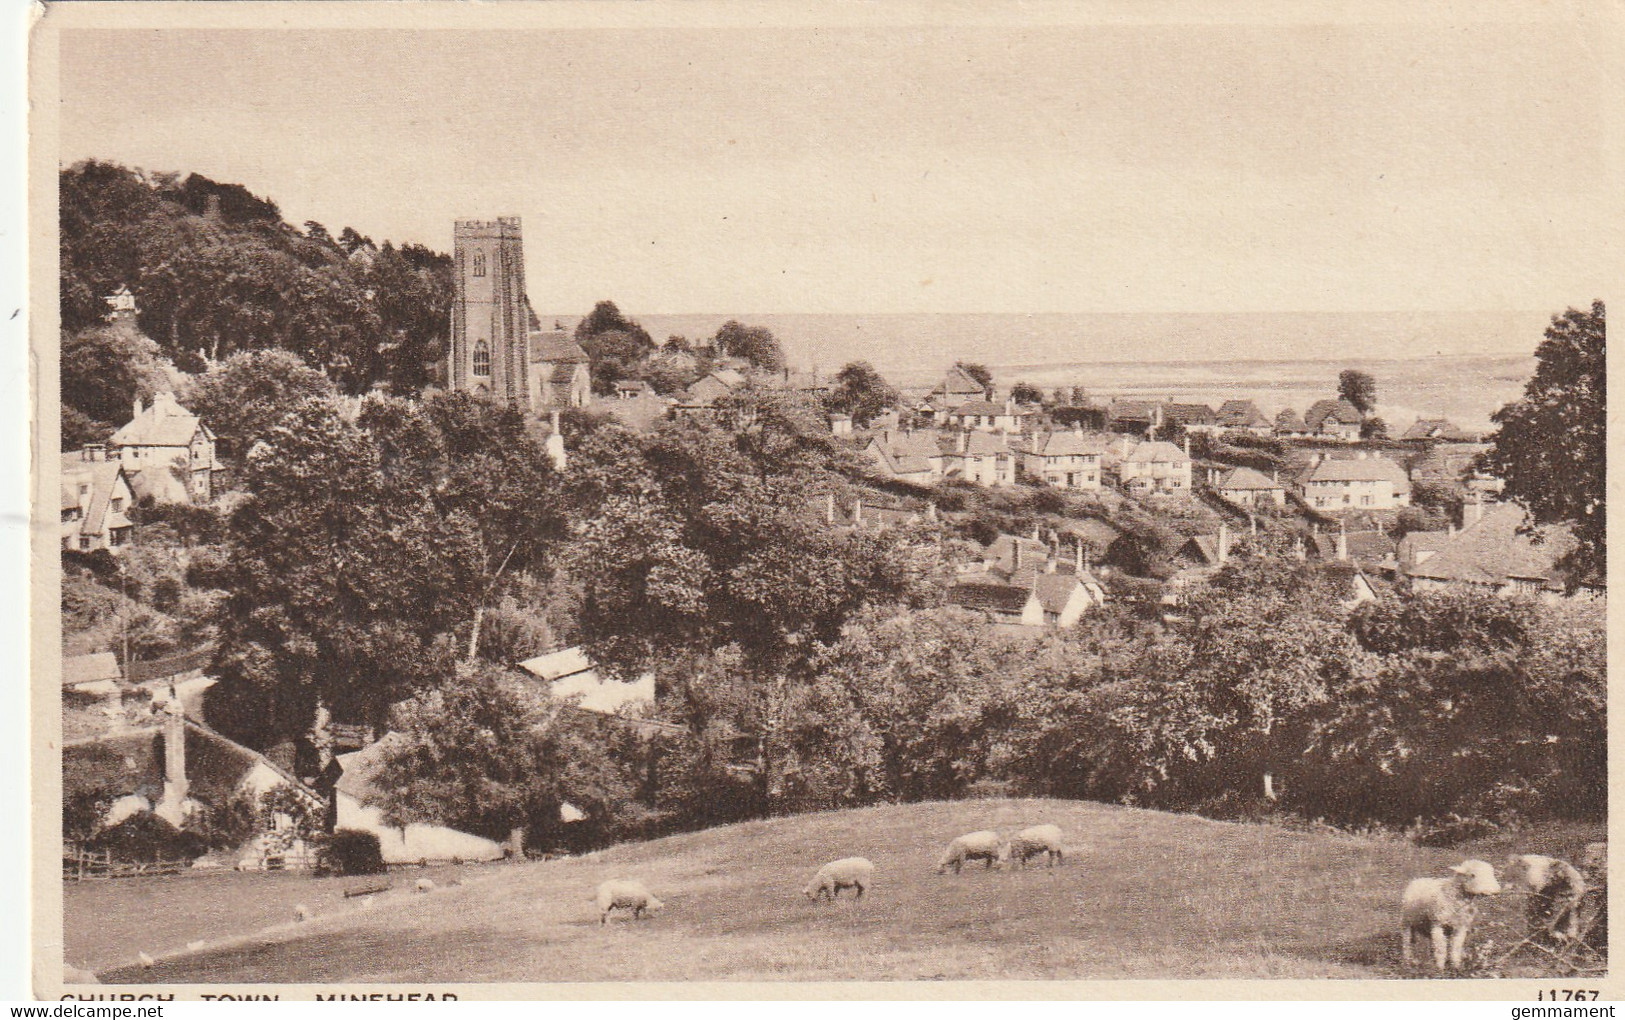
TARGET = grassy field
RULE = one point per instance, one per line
(1142, 895)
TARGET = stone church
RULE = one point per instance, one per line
(498, 346)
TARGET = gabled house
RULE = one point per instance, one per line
(1156, 467)
(980, 457)
(96, 499)
(167, 451)
(1000, 601)
(906, 456)
(1068, 460)
(1436, 430)
(1494, 554)
(1191, 417)
(1363, 482)
(1244, 416)
(1334, 419)
(1134, 417)
(1008, 418)
(717, 386)
(957, 387)
(1250, 487)
(559, 372)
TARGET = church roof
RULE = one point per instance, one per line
(555, 345)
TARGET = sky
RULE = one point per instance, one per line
(948, 163)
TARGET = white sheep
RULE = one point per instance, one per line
(1556, 889)
(982, 845)
(846, 873)
(1441, 906)
(1040, 839)
(628, 895)
(425, 885)
(196, 945)
(146, 961)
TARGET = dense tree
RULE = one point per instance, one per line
(861, 392)
(216, 271)
(1551, 445)
(1358, 388)
(344, 582)
(1374, 428)
(242, 397)
(755, 344)
(1026, 393)
(105, 369)
(491, 754)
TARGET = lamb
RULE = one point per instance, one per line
(1040, 839)
(1439, 906)
(846, 873)
(1556, 889)
(628, 895)
(425, 885)
(983, 845)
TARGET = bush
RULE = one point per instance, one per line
(145, 837)
(350, 852)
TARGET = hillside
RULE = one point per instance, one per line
(1142, 894)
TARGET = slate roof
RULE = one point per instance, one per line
(1247, 478)
(1157, 453)
(1364, 546)
(84, 669)
(1492, 552)
(1339, 411)
(1242, 414)
(958, 382)
(1437, 428)
(161, 423)
(1375, 468)
(1065, 444)
(1055, 590)
(1417, 542)
(983, 444)
(555, 345)
(1190, 414)
(1001, 552)
(989, 595)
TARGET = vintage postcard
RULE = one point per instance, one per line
(581, 500)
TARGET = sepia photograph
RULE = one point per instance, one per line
(1036, 497)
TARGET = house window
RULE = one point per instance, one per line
(1365, 500)
(479, 263)
(84, 543)
(118, 504)
(118, 536)
(482, 358)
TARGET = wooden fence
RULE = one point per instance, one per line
(80, 865)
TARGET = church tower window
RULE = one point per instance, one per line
(479, 263)
(482, 358)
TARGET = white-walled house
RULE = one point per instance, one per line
(1363, 482)
(1068, 460)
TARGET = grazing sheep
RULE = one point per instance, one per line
(301, 912)
(1040, 839)
(196, 945)
(146, 961)
(425, 885)
(1439, 906)
(1555, 889)
(628, 895)
(846, 873)
(983, 845)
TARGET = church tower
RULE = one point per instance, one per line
(490, 328)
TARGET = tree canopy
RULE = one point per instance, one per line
(1551, 445)
(755, 344)
(1358, 388)
(861, 392)
(981, 373)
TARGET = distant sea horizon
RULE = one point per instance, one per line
(1459, 365)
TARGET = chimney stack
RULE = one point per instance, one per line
(137, 408)
(1082, 562)
(1342, 541)
(171, 806)
(1015, 554)
(1224, 542)
(1473, 512)
(829, 508)
(857, 510)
